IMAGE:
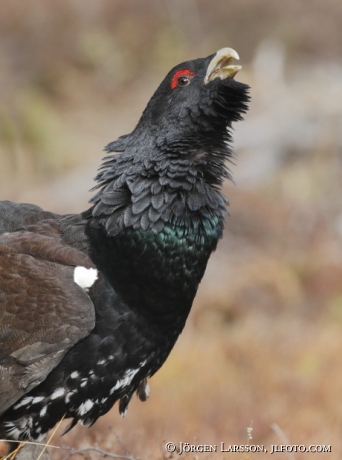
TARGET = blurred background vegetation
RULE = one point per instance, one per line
(263, 343)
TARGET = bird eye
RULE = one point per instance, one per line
(183, 81)
(182, 78)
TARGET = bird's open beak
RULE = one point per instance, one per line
(220, 66)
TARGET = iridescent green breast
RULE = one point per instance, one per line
(157, 273)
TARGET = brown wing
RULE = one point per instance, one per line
(43, 312)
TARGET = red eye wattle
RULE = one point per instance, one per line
(182, 78)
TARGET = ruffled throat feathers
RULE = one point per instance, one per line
(174, 189)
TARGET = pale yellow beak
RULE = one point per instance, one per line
(219, 66)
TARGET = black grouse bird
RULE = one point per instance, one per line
(92, 304)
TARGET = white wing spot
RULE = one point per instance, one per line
(74, 375)
(102, 361)
(57, 393)
(85, 277)
(85, 407)
(84, 382)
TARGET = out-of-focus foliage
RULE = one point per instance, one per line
(263, 343)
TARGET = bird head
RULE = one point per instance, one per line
(195, 98)
(179, 147)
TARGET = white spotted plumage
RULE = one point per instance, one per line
(57, 393)
(23, 402)
(85, 407)
(125, 380)
(43, 411)
(37, 399)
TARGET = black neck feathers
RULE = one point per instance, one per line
(172, 174)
